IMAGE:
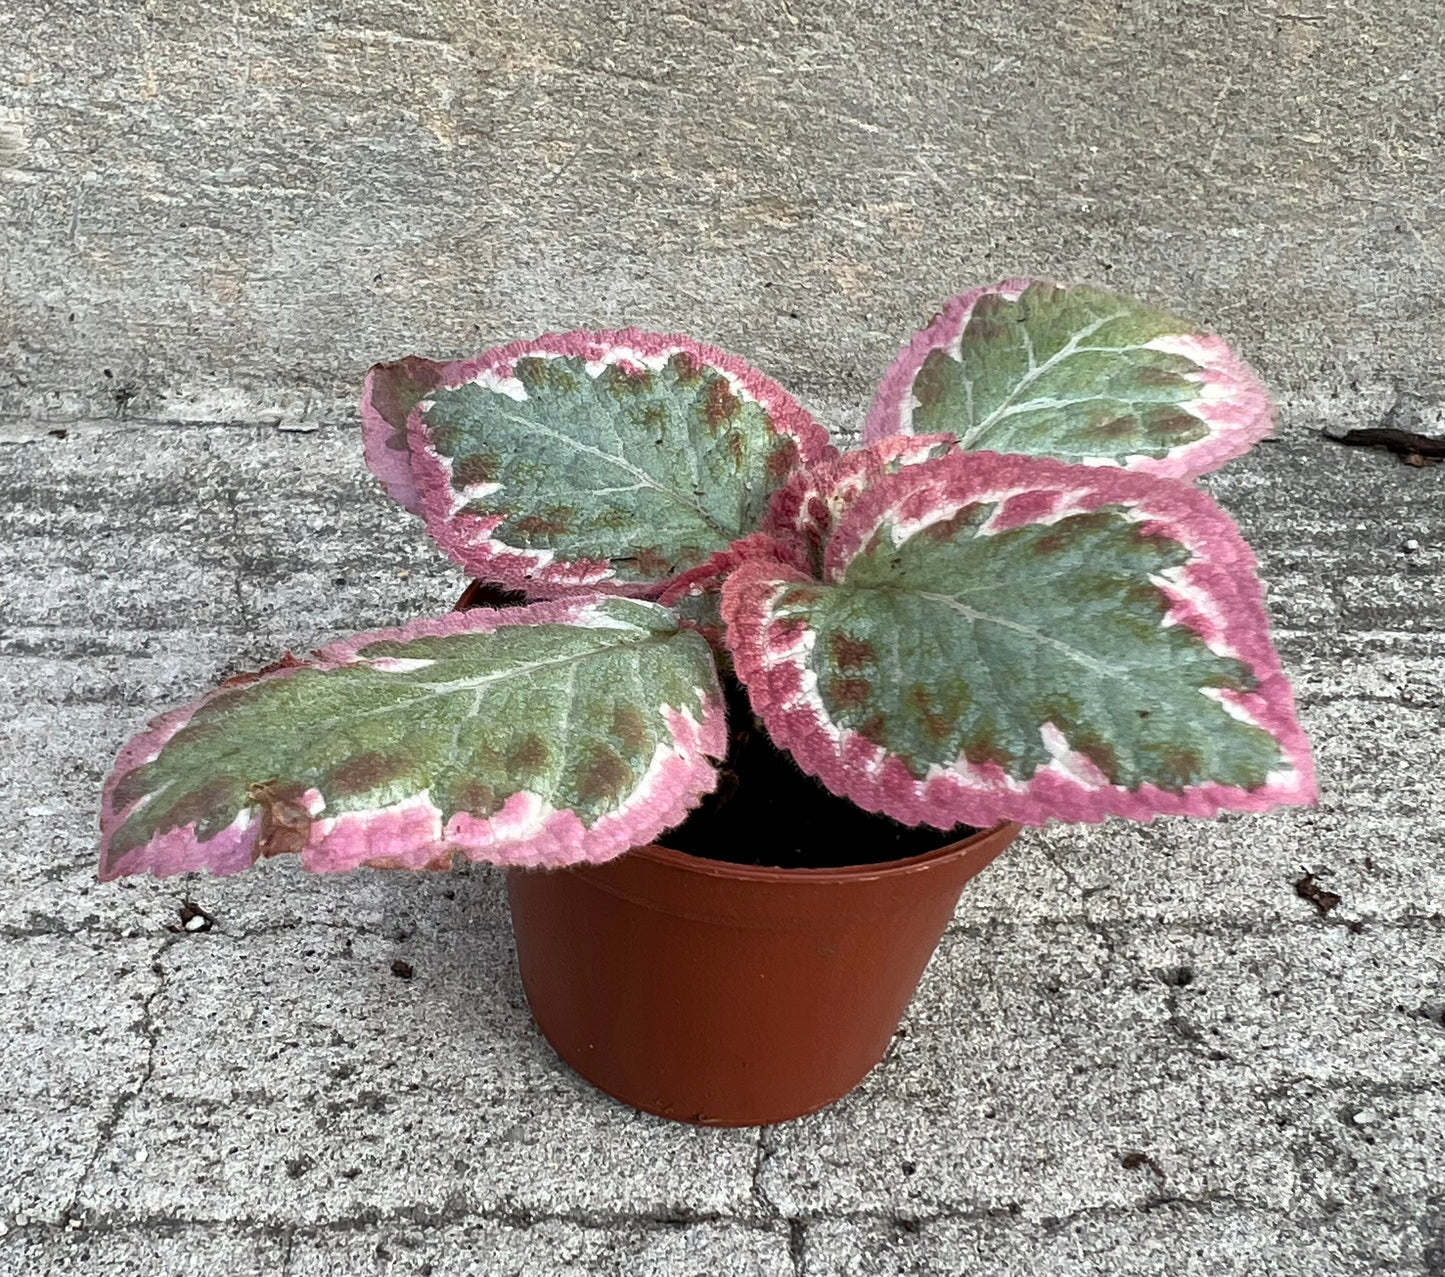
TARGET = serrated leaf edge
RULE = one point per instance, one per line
(525, 831)
(1232, 401)
(468, 539)
(1217, 595)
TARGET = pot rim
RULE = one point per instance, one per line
(686, 862)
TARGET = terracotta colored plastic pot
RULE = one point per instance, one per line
(729, 995)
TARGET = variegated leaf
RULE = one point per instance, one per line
(531, 736)
(1078, 374)
(1008, 638)
(696, 595)
(808, 507)
(390, 393)
(608, 461)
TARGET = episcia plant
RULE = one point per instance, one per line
(1008, 604)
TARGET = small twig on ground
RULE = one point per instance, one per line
(1308, 888)
(1414, 449)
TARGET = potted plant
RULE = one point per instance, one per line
(859, 672)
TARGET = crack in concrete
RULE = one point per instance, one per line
(771, 1213)
(48, 926)
(106, 1128)
(237, 541)
(455, 1214)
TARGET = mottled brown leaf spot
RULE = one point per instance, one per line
(629, 727)
(655, 417)
(937, 722)
(446, 438)
(1060, 709)
(1177, 768)
(1067, 530)
(285, 823)
(806, 596)
(531, 371)
(626, 382)
(1146, 597)
(851, 653)
(720, 405)
(969, 516)
(475, 468)
(786, 629)
(993, 318)
(614, 517)
(877, 543)
(133, 785)
(1100, 585)
(1110, 428)
(1233, 675)
(685, 367)
(850, 693)
(1097, 750)
(1156, 376)
(365, 772)
(782, 461)
(872, 729)
(652, 563)
(553, 523)
(604, 775)
(737, 449)
(477, 797)
(286, 662)
(529, 755)
(1176, 427)
(211, 806)
(984, 747)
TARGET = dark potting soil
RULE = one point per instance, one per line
(766, 810)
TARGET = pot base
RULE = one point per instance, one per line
(731, 995)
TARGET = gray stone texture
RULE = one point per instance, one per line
(1138, 1050)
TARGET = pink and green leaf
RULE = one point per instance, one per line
(696, 595)
(610, 461)
(542, 735)
(1077, 374)
(808, 507)
(389, 394)
(1008, 638)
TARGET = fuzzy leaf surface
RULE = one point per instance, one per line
(389, 394)
(532, 736)
(1008, 638)
(1078, 374)
(609, 461)
(807, 508)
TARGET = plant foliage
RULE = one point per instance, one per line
(1007, 605)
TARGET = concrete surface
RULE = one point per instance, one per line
(1138, 1051)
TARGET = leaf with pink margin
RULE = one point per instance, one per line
(389, 394)
(808, 507)
(696, 595)
(542, 735)
(599, 461)
(1077, 374)
(1008, 638)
